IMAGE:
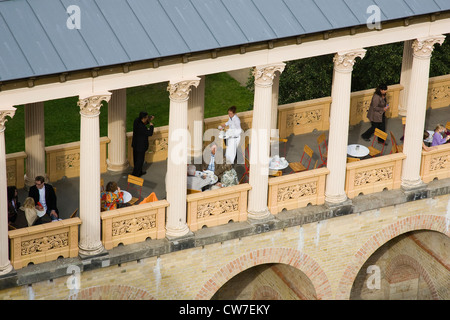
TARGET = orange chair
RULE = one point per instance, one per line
(135, 183)
(304, 162)
(378, 134)
(151, 198)
(395, 147)
(323, 149)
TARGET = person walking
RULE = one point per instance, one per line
(376, 113)
(139, 143)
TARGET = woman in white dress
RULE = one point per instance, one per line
(233, 133)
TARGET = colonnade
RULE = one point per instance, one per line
(186, 114)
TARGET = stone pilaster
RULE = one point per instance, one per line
(5, 264)
(90, 235)
(339, 124)
(260, 140)
(405, 76)
(34, 142)
(176, 178)
(196, 113)
(117, 131)
(416, 111)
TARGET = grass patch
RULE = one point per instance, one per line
(62, 116)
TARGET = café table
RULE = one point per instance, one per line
(357, 150)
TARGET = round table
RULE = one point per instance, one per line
(357, 150)
(283, 164)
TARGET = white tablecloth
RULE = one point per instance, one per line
(357, 150)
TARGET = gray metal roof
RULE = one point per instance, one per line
(35, 39)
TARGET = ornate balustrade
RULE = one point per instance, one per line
(297, 190)
(43, 243)
(15, 169)
(439, 92)
(435, 163)
(304, 116)
(64, 159)
(374, 175)
(216, 207)
(134, 224)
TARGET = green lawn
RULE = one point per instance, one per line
(62, 117)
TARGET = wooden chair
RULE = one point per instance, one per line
(323, 149)
(191, 191)
(11, 227)
(378, 134)
(395, 147)
(304, 162)
(74, 214)
(275, 173)
(135, 183)
(350, 159)
(246, 164)
(447, 126)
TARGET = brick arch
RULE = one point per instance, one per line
(403, 259)
(292, 257)
(412, 223)
(111, 292)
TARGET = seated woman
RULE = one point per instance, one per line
(426, 135)
(438, 138)
(13, 203)
(111, 197)
(31, 215)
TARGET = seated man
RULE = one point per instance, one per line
(218, 167)
(44, 194)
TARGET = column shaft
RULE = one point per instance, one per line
(90, 234)
(34, 142)
(416, 111)
(260, 143)
(196, 107)
(117, 119)
(405, 76)
(5, 264)
(339, 125)
(176, 177)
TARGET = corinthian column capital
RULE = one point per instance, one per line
(90, 105)
(6, 112)
(264, 75)
(344, 61)
(179, 90)
(423, 47)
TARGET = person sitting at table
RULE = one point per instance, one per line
(34, 214)
(196, 181)
(112, 197)
(438, 138)
(426, 135)
(13, 203)
(214, 165)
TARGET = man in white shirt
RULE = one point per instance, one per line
(234, 134)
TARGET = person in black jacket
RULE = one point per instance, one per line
(44, 194)
(139, 143)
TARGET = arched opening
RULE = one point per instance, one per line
(272, 281)
(411, 266)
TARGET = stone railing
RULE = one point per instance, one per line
(63, 160)
(360, 103)
(44, 243)
(303, 117)
(217, 207)
(134, 224)
(158, 145)
(15, 169)
(439, 92)
(297, 190)
(436, 163)
(374, 175)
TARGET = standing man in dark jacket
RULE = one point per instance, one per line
(44, 194)
(139, 143)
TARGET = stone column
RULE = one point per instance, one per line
(176, 177)
(405, 76)
(260, 140)
(5, 264)
(416, 111)
(275, 95)
(339, 124)
(90, 238)
(117, 131)
(34, 142)
(196, 107)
